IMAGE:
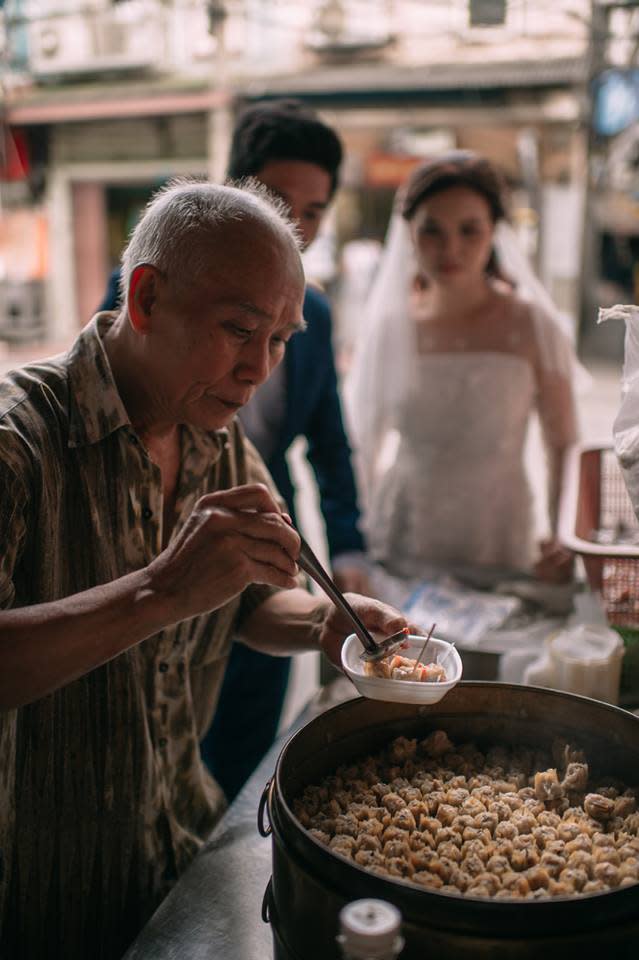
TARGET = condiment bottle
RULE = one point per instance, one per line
(370, 930)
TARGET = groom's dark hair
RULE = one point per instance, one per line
(282, 130)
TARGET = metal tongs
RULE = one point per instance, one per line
(372, 649)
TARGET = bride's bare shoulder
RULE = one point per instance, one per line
(511, 306)
(513, 323)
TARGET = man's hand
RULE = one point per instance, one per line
(556, 564)
(232, 538)
(379, 618)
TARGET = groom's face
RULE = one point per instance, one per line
(304, 187)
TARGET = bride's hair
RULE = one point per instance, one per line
(459, 168)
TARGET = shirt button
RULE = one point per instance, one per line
(163, 667)
(162, 742)
(147, 513)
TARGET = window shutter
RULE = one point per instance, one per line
(487, 13)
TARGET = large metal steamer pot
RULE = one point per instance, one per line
(310, 884)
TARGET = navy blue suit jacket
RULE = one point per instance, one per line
(313, 410)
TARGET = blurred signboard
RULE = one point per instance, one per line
(14, 154)
(389, 169)
(617, 213)
(616, 101)
(24, 245)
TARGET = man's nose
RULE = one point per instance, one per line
(256, 361)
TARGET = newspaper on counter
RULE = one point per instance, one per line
(461, 613)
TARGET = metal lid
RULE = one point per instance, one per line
(370, 930)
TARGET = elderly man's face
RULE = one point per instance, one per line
(212, 347)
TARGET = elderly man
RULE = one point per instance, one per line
(287, 147)
(138, 532)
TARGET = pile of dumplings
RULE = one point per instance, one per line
(508, 823)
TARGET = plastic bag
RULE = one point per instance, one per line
(461, 614)
(626, 426)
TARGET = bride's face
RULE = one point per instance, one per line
(453, 235)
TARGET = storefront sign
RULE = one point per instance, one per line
(389, 169)
(14, 154)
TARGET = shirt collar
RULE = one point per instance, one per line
(204, 443)
(96, 409)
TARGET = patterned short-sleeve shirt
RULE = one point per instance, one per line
(103, 797)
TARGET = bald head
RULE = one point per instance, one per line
(187, 222)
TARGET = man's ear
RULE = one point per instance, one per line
(143, 293)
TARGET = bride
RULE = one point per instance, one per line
(452, 363)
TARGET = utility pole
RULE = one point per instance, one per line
(219, 119)
(595, 63)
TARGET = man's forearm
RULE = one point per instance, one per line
(45, 646)
(287, 622)
(294, 621)
(231, 539)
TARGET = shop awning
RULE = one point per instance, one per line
(106, 102)
(370, 79)
(360, 81)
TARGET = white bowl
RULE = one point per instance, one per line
(404, 691)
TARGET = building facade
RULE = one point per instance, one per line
(103, 101)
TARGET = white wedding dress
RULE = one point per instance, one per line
(456, 494)
(448, 487)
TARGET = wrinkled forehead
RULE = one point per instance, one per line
(245, 263)
(257, 242)
(236, 252)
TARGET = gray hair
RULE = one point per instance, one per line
(184, 218)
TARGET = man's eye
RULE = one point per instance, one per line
(242, 333)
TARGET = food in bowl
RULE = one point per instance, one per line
(507, 823)
(397, 667)
(409, 689)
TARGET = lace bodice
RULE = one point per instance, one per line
(456, 494)
(440, 434)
